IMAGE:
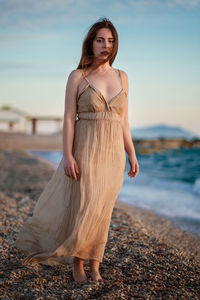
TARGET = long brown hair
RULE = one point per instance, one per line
(87, 56)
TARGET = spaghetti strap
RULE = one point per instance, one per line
(122, 81)
(122, 85)
(86, 86)
(85, 77)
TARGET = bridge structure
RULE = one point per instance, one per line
(35, 119)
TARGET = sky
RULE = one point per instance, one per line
(159, 49)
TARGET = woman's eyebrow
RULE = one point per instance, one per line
(100, 37)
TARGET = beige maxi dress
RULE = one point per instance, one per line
(72, 218)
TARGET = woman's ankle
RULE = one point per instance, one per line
(78, 261)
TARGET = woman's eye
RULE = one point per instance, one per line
(100, 40)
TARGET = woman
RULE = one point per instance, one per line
(71, 219)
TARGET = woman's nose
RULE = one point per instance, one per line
(106, 44)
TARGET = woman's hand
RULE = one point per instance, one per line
(71, 167)
(134, 166)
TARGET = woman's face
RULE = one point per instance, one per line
(103, 43)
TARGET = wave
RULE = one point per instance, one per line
(196, 186)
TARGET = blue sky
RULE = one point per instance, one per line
(159, 46)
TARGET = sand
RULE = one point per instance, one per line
(16, 141)
(145, 257)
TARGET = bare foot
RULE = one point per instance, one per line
(96, 276)
(79, 274)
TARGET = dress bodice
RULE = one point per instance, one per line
(90, 99)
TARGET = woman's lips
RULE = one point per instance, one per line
(105, 52)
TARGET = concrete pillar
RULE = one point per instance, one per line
(34, 122)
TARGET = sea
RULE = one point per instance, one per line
(168, 183)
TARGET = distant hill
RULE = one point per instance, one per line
(162, 131)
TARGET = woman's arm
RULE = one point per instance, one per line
(128, 143)
(70, 165)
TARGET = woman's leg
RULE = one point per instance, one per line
(78, 270)
(94, 270)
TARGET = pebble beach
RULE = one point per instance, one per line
(145, 256)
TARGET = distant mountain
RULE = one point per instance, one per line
(162, 131)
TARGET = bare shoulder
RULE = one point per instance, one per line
(75, 76)
(124, 74)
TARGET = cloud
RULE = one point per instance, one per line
(185, 3)
(32, 19)
(12, 39)
(69, 10)
(27, 69)
(163, 4)
(28, 12)
(15, 66)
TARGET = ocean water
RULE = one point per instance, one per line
(168, 183)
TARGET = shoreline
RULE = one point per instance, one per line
(53, 142)
(149, 214)
(162, 228)
(144, 256)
